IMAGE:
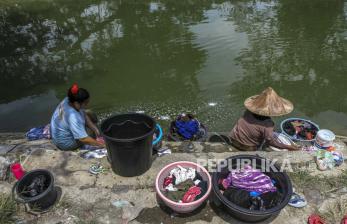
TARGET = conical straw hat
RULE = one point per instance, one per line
(268, 103)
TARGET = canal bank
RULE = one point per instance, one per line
(88, 198)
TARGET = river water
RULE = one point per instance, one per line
(168, 57)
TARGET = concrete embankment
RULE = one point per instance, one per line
(88, 198)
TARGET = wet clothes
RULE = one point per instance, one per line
(184, 185)
(180, 191)
(182, 174)
(36, 187)
(249, 133)
(244, 199)
(191, 195)
(37, 133)
(300, 129)
(249, 179)
(187, 129)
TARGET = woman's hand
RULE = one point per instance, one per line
(294, 147)
(97, 132)
(91, 141)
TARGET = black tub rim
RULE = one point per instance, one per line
(240, 209)
(40, 196)
(128, 139)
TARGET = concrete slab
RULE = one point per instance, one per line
(4, 149)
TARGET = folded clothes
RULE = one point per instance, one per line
(249, 179)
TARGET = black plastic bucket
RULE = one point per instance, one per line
(128, 140)
(42, 201)
(282, 181)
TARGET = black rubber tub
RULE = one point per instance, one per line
(45, 199)
(283, 184)
(128, 140)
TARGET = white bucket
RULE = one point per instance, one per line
(325, 138)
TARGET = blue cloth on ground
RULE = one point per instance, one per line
(42, 132)
(90, 147)
(67, 126)
(187, 129)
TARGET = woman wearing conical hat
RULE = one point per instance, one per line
(256, 127)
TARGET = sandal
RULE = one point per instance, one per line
(297, 201)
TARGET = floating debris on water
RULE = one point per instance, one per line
(140, 111)
(212, 104)
(164, 117)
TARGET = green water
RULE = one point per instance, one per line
(168, 57)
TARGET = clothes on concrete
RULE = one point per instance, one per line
(94, 154)
(187, 129)
(324, 160)
(328, 160)
(67, 126)
(38, 133)
(315, 219)
(249, 179)
(338, 158)
(249, 133)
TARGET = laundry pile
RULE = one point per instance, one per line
(184, 185)
(250, 188)
(38, 133)
(186, 127)
(328, 159)
(36, 187)
(300, 129)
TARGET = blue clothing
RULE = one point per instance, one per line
(42, 132)
(67, 126)
(187, 129)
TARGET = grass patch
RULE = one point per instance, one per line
(65, 203)
(86, 222)
(335, 212)
(303, 180)
(7, 209)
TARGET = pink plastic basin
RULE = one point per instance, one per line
(182, 207)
